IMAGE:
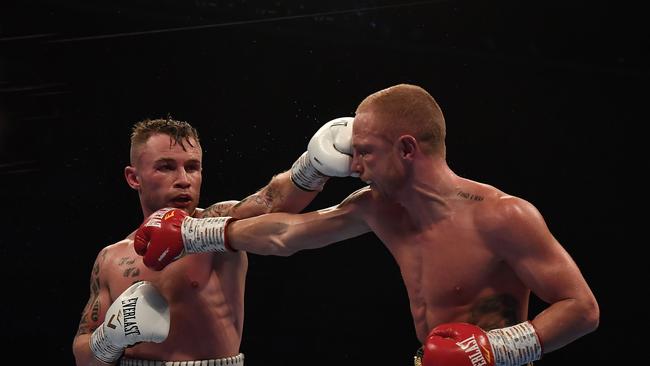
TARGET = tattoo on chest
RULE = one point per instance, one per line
(470, 196)
(126, 261)
(494, 312)
(131, 270)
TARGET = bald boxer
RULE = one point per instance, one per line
(193, 311)
(470, 254)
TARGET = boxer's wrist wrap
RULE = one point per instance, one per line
(305, 176)
(515, 345)
(102, 348)
(417, 359)
(205, 235)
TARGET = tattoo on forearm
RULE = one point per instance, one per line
(268, 197)
(496, 311)
(470, 196)
(240, 203)
(262, 200)
(219, 209)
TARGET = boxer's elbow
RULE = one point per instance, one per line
(81, 351)
(586, 315)
(590, 315)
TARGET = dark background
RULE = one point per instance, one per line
(542, 100)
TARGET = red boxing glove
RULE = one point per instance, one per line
(159, 239)
(169, 233)
(457, 344)
(463, 344)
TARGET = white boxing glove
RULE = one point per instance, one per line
(328, 154)
(139, 314)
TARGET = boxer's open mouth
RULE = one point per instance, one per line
(184, 198)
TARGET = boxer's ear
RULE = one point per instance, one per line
(130, 173)
(407, 145)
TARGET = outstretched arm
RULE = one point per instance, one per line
(284, 234)
(169, 233)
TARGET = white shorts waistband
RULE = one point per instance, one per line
(228, 361)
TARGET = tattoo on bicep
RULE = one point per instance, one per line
(496, 311)
(95, 312)
(83, 324)
(94, 278)
(92, 308)
(94, 286)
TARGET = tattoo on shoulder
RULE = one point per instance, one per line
(470, 196)
(495, 311)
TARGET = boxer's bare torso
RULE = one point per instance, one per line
(447, 258)
(205, 293)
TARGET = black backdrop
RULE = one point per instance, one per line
(540, 100)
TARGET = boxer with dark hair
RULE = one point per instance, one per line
(193, 312)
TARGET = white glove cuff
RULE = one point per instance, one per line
(515, 345)
(102, 347)
(205, 235)
(305, 176)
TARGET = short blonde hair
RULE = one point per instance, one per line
(409, 109)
